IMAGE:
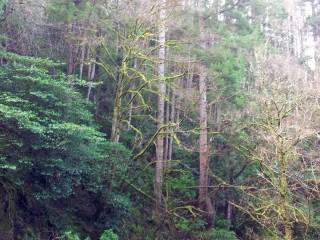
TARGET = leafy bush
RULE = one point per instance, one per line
(219, 234)
(109, 235)
(70, 235)
(51, 147)
(179, 184)
(190, 225)
(50, 139)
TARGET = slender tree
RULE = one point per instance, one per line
(204, 199)
(161, 106)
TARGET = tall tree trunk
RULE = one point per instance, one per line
(115, 130)
(204, 199)
(203, 138)
(72, 54)
(167, 120)
(130, 112)
(116, 117)
(161, 108)
(83, 54)
(70, 64)
(172, 118)
(91, 76)
(135, 66)
(230, 195)
(89, 65)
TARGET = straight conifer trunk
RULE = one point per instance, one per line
(83, 52)
(203, 138)
(161, 108)
(204, 200)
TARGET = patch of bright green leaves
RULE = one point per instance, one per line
(47, 130)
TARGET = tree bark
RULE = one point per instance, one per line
(203, 138)
(161, 108)
(172, 118)
(204, 200)
(115, 130)
(91, 76)
(71, 50)
(167, 137)
(135, 66)
(116, 116)
(83, 52)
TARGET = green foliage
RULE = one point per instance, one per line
(49, 142)
(219, 234)
(190, 226)
(109, 235)
(56, 165)
(227, 69)
(70, 235)
(196, 227)
(221, 231)
(48, 126)
(180, 183)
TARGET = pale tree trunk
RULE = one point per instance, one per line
(72, 50)
(167, 137)
(115, 130)
(172, 118)
(167, 119)
(161, 108)
(204, 199)
(230, 195)
(203, 139)
(295, 24)
(89, 58)
(83, 52)
(178, 105)
(116, 117)
(135, 66)
(91, 76)
(70, 64)
(130, 112)
(90, 84)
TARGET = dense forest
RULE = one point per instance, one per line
(159, 119)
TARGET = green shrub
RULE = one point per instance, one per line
(109, 235)
(71, 235)
(219, 234)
